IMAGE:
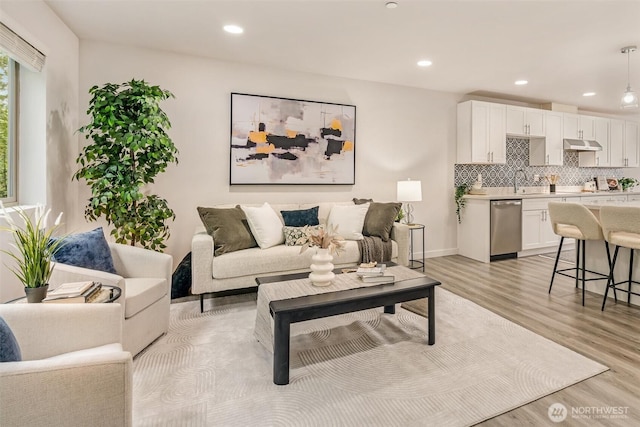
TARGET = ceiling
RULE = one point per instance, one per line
(563, 48)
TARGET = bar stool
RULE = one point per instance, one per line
(575, 221)
(621, 227)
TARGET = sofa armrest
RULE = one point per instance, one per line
(201, 259)
(94, 391)
(132, 261)
(400, 233)
(46, 330)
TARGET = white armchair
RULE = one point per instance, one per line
(145, 279)
(73, 369)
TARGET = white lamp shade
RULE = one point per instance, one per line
(409, 191)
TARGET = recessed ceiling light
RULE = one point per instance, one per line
(391, 4)
(424, 63)
(233, 29)
(521, 82)
(589, 94)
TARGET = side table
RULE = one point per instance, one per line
(416, 264)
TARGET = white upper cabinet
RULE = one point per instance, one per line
(602, 128)
(522, 121)
(577, 126)
(631, 142)
(548, 150)
(624, 144)
(481, 132)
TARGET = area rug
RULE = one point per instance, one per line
(366, 368)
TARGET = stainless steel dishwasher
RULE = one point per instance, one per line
(506, 229)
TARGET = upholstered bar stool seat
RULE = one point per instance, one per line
(575, 221)
(621, 227)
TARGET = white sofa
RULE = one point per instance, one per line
(238, 270)
(145, 279)
(73, 370)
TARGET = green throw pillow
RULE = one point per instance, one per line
(380, 218)
(229, 229)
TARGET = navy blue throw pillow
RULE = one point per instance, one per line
(9, 348)
(88, 250)
(301, 218)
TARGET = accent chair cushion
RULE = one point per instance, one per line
(229, 229)
(298, 236)
(9, 348)
(300, 218)
(89, 250)
(349, 220)
(141, 293)
(265, 224)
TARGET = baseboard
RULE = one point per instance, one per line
(436, 253)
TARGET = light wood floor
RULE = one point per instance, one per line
(517, 290)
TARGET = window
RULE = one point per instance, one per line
(8, 124)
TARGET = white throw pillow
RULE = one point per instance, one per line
(349, 219)
(265, 224)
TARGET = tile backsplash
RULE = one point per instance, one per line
(518, 158)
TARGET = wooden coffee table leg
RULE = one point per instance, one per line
(390, 309)
(281, 343)
(432, 315)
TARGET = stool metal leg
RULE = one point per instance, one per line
(555, 266)
(584, 242)
(577, 260)
(611, 280)
(630, 275)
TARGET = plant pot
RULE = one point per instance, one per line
(36, 294)
(322, 268)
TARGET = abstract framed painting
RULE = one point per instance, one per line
(291, 141)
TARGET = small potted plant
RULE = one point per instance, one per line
(35, 249)
(627, 183)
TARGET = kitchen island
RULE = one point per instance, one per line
(474, 230)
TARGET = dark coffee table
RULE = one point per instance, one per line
(293, 310)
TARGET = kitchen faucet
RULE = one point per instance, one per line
(515, 179)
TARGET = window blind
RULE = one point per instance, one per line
(20, 50)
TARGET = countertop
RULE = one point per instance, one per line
(502, 193)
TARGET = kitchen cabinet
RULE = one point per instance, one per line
(537, 231)
(522, 121)
(578, 126)
(548, 150)
(602, 135)
(623, 144)
(481, 132)
(631, 143)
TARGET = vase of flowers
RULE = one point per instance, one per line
(327, 243)
(35, 248)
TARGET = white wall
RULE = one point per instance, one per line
(48, 120)
(401, 132)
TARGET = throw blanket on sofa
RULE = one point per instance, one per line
(373, 248)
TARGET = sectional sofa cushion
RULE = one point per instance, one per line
(348, 220)
(89, 250)
(9, 348)
(228, 227)
(265, 224)
(301, 217)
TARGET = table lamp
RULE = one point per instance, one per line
(409, 191)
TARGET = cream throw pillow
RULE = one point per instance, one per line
(349, 219)
(265, 224)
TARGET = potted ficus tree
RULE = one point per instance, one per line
(35, 247)
(129, 148)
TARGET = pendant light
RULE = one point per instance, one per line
(629, 97)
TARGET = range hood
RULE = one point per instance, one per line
(581, 145)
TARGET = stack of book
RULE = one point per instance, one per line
(74, 292)
(375, 274)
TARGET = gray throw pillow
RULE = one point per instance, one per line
(361, 201)
(380, 218)
(9, 348)
(229, 229)
(88, 250)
